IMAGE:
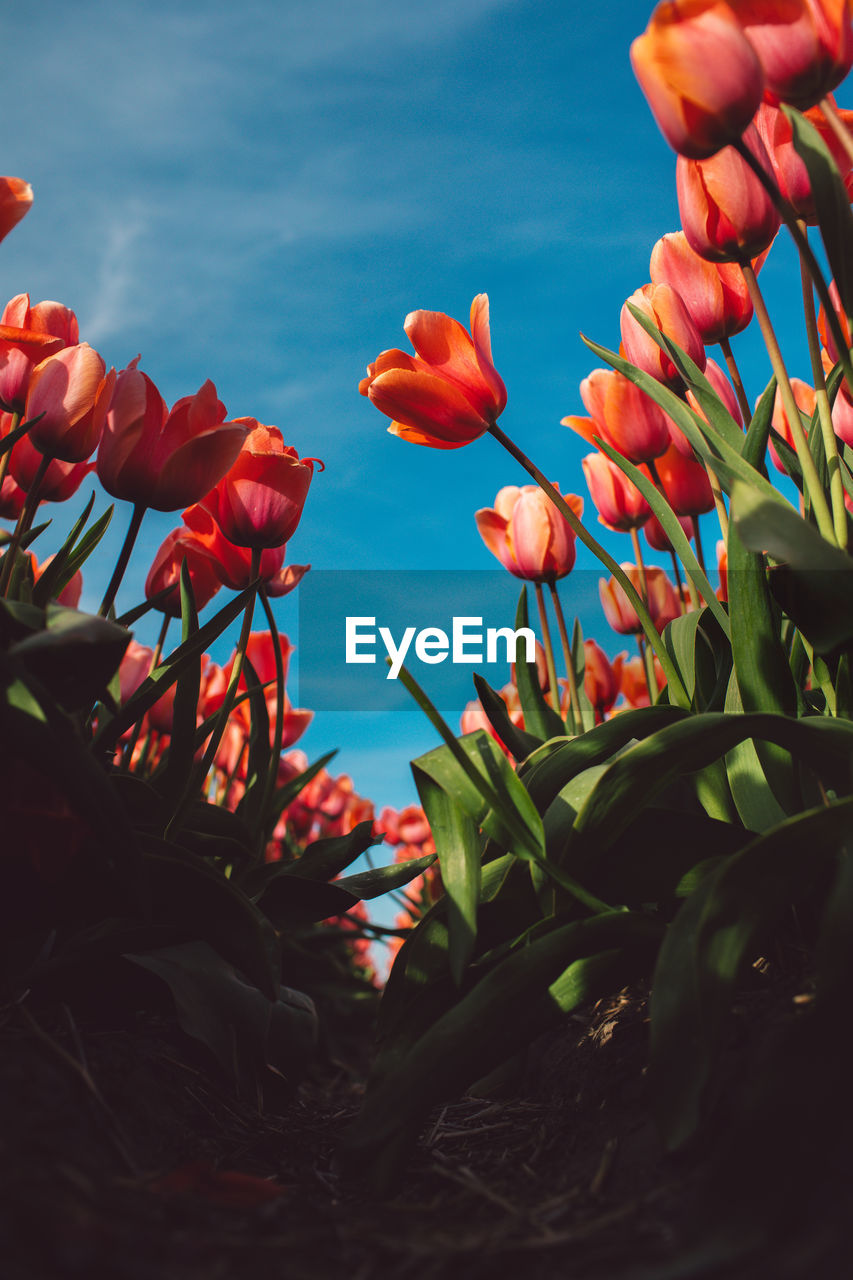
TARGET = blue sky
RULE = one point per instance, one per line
(259, 193)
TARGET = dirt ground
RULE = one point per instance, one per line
(124, 1153)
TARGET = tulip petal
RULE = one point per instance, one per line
(436, 408)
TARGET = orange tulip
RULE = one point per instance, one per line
(619, 503)
(789, 169)
(161, 459)
(662, 601)
(259, 501)
(665, 308)
(805, 46)
(714, 293)
(842, 415)
(806, 401)
(72, 390)
(16, 197)
(701, 76)
(449, 393)
(634, 688)
(726, 214)
(528, 534)
(623, 416)
(723, 571)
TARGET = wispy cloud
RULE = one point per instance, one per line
(112, 306)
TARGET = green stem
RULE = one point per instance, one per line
(554, 688)
(278, 732)
(700, 554)
(123, 558)
(811, 479)
(195, 782)
(575, 713)
(638, 556)
(737, 381)
(675, 569)
(677, 690)
(830, 444)
(789, 218)
(648, 670)
(4, 461)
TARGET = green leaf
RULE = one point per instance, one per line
(709, 943)
(243, 1028)
(813, 581)
(180, 760)
(74, 656)
(292, 902)
(260, 751)
(515, 740)
(540, 720)
(458, 844)
(327, 858)
(72, 555)
(751, 790)
(579, 660)
(489, 791)
(379, 880)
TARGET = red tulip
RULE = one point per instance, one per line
(528, 534)
(623, 416)
(714, 293)
(164, 459)
(619, 503)
(72, 390)
(16, 197)
(657, 539)
(259, 501)
(726, 214)
(805, 46)
(665, 308)
(685, 483)
(73, 589)
(700, 74)
(59, 482)
(662, 600)
(601, 679)
(165, 571)
(449, 393)
(231, 563)
(789, 169)
(27, 336)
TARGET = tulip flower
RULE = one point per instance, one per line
(665, 308)
(28, 334)
(830, 350)
(59, 481)
(72, 391)
(805, 47)
(806, 401)
(842, 416)
(601, 679)
(789, 170)
(12, 499)
(233, 564)
(662, 600)
(700, 74)
(16, 197)
(73, 589)
(623, 416)
(685, 483)
(726, 213)
(154, 457)
(619, 503)
(258, 502)
(714, 293)
(723, 571)
(633, 685)
(657, 539)
(165, 572)
(449, 393)
(528, 534)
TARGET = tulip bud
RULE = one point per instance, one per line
(700, 74)
(805, 47)
(621, 615)
(16, 197)
(714, 293)
(665, 308)
(72, 391)
(619, 502)
(527, 533)
(725, 211)
(624, 416)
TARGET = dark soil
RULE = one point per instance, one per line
(125, 1154)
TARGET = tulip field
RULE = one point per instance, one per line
(582, 1009)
